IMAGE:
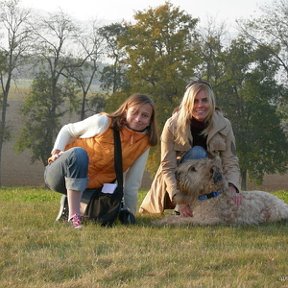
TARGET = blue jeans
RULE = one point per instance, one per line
(69, 171)
(196, 152)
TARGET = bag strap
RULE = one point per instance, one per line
(118, 160)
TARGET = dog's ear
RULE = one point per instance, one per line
(216, 158)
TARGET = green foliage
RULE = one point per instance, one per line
(211, 51)
(37, 252)
(157, 54)
(42, 110)
(5, 132)
(249, 96)
(115, 100)
(154, 160)
(97, 102)
(160, 55)
(113, 76)
(269, 30)
(3, 63)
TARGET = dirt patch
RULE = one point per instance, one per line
(271, 183)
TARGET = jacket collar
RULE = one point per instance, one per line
(219, 123)
(218, 120)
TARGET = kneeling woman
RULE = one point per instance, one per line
(82, 156)
(194, 130)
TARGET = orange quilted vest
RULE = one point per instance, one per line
(100, 149)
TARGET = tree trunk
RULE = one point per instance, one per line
(2, 132)
(244, 179)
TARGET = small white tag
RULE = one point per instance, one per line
(109, 188)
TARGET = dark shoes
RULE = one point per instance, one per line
(64, 210)
(126, 217)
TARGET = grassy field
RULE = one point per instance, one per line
(37, 252)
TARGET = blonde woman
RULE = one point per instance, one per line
(197, 128)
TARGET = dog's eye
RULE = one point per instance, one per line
(192, 169)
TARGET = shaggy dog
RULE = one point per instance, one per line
(201, 177)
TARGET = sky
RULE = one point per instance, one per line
(116, 10)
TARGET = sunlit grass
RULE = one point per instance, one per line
(37, 252)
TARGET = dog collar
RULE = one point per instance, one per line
(208, 196)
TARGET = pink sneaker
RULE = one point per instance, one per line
(76, 221)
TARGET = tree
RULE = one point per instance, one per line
(247, 92)
(212, 54)
(14, 23)
(40, 118)
(85, 68)
(161, 55)
(113, 75)
(53, 46)
(249, 97)
(270, 31)
(160, 58)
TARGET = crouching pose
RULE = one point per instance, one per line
(82, 156)
(197, 129)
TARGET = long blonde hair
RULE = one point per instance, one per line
(119, 116)
(186, 107)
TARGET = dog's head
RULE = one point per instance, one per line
(198, 177)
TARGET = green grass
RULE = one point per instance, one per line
(37, 252)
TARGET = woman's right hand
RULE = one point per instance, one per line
(185, 210)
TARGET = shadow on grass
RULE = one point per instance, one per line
(275, 228)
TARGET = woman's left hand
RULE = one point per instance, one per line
(55, 155)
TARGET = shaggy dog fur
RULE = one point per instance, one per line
(196, 177)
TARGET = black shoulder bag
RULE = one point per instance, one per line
(102, 207)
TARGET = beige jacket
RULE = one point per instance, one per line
(220, 141)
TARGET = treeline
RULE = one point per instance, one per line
(87, 68)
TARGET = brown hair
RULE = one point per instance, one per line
(119, 116)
